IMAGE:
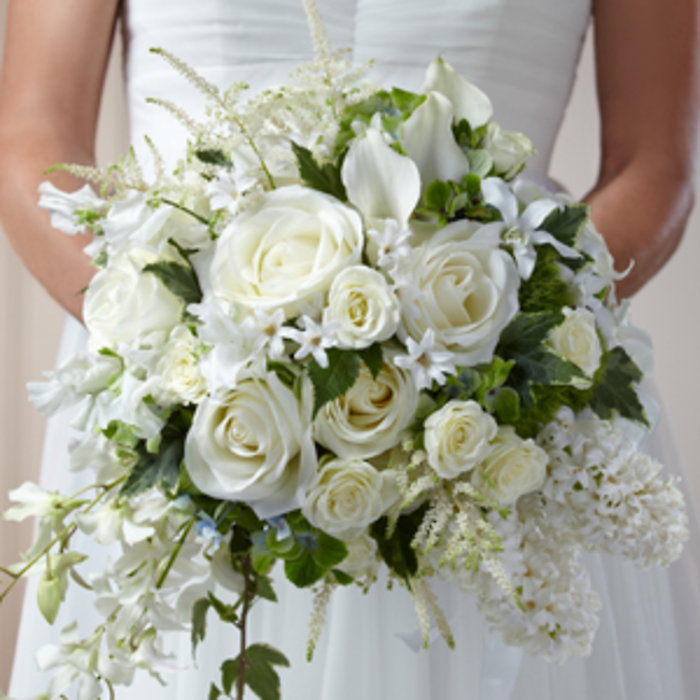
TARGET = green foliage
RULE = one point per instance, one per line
(480, 162)
(614, 387)
(544, 404)
(325, 178)
(214, 692)
(180, 279)
(394, 106)
(373, 357)
(447, 200)
(333, 381)
(159, 464)
(213, 156)
(566, 224)
(545, 290)
(259, 672)
(395, 546)
(319, 554)
(199, 622)
(524, 341)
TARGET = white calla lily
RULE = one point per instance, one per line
(468, 101)
(380, 182)
(429, 141)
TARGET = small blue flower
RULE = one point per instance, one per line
(206, 527)
(282, 527)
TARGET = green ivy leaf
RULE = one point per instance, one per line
(506, 405)
(161, 467)
(325, 178)
(214, 692)
(260, 675)
(199, 622)
(373, 357)
(396, 549)
(265, 589)
(180, 279)
(566, 224)
(614, 387)
(333, 381)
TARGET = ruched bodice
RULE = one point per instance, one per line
(523, 53)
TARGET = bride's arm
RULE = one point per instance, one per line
(55, 58)
(647, 76)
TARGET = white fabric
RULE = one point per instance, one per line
(523, 53)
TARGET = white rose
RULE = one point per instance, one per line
(364, 305)
(509, 150)
(253, 444)
(512, 468)
(369, 418)
(361, 560)
(465, 288)
(348, 495)
(123, 303)
(178, 368)
(576, 339)
(285, 250)
(457, 437)
(65, 208)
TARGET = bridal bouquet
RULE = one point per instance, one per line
(341, 335)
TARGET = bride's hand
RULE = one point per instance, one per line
(55, 59)
(648, 77)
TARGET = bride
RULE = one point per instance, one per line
(523, 53)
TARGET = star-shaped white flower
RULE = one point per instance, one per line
(521, 231)
(314, 338)
(267, 331)
(391, 243)
(226, 189)
(426, 361)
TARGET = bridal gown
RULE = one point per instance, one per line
(523, 53)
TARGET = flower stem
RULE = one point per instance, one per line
(174, 553)
(66, 533)
(248, 595)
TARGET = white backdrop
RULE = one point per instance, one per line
(31, 321)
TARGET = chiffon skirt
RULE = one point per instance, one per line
(645, 649)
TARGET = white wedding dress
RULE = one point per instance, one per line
(523, 53)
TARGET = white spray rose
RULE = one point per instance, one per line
(253, 444)
(509, 150)
(576, 339)
(123, 303)
(347, 495)
(457, 437)
(465, 288)
(512, 468)
(181, 378)
(361, 560)
(285, 250)
(364, 305)
(369, 418)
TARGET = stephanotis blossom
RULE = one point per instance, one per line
(521, 231)
(426, 361)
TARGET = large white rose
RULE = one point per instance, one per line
(364, 305)
(576, 339)
(369, 418)
(253, 444)
(464, 287)
(347, 495)
(123, 303)
(512, 468)
(457, 437)
(285, 250)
